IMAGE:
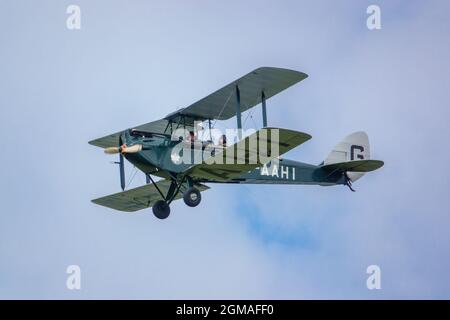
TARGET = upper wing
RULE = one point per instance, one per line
(355, 166)
(244, 155)
(140, 197)
(162, 126)
(112, 140)
(221, 105)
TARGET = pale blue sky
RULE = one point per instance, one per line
(136, 61)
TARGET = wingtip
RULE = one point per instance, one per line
(380, 162)
(301, 73)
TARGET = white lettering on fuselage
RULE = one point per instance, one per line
(281, 172)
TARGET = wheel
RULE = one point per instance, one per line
(192, 197)
(161, 209)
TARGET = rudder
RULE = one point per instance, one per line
(355, 146)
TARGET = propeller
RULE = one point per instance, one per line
(123, 148)
(121, 167)
(122, 172)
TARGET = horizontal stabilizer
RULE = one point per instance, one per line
(354, 166)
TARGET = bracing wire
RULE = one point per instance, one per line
(223, 108)
(132, 177)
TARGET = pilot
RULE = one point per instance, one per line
(191, 136)
(223, 140)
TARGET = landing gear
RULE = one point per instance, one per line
(161, 209)
(192, 197)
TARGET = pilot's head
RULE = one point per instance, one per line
(191, 136)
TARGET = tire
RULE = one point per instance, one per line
(192, 197)
(161, 209)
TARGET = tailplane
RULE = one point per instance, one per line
(352, 157)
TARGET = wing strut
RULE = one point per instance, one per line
(238, 113)
(264, 111)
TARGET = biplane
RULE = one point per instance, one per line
(160, 149)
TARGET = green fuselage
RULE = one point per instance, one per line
(156, 158)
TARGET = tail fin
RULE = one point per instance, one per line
(354, 147)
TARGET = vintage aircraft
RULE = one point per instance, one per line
(155, 148)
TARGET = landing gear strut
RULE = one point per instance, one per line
(161, 208)
(192, 197)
